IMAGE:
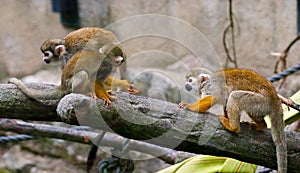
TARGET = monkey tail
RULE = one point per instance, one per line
(38, 95)
(279, 140)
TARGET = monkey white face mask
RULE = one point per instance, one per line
(197, 85)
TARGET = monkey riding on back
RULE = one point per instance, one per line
(85, 73)
(62, 50)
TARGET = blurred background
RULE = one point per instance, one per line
(261, 27)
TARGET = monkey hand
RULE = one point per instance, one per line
(131, 89)
(183, 105)
(192, 107)
(200, 105)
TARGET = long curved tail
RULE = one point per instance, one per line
(38, 94)
(279, 140)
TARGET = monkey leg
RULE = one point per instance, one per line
(110, 81)
(225, 121)
(231, 121)
(201, 105)
(101, 93)
(251, 102)
(81, 84)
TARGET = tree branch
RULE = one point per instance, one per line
(155, 122)
(86, 137)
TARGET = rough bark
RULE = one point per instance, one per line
(155, 122)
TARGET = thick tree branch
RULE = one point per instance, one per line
(14, 104)
(156, 122)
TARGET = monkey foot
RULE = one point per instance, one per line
(256, 126)
(110, 92)
(226, 124)
(108, 100)
(93, 95)
(131, 89)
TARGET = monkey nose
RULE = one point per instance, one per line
(188, 87)
(47, 60)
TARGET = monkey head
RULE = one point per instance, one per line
(52, 50)
(115, 52)
(198, 81)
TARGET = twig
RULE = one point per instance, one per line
(289, 102)
(282, 56)
(86, 137)
(230, 26)
(282, 59)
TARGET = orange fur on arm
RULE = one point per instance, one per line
(110, 81)
(202, 104)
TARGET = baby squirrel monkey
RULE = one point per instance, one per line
(85, 38)
(84, 73)
(240, 90)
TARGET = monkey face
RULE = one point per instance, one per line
(190, 83)
(118, 60)
(52, 50)
(115, 52)
(195, 84)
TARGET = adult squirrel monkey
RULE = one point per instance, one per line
(84, 73)
(84, 38)
(240, 90)
(64, 49)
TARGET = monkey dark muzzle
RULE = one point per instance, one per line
(188, 87)
(46, 60)
(118, 60)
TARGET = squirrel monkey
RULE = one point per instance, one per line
(92, 38)
(240, 90)
(85, 38)
(84, 73)
(64, 49)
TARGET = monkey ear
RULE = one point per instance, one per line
(203, 78)
(59, 50)
(102, 49)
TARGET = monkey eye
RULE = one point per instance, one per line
(48, 54)
(190, 80)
